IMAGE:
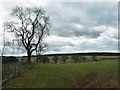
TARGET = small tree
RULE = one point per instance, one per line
(82, 58)
(72, 57)
(45, 59)
(94, 57)
(64, 58)
(39, 51)
(75, 58)
(55, 59)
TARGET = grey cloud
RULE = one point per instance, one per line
(59, 43)
(54, 49)
(70, 31)
(98, 45)
(64, 14)
(98, 12)
(87, 32)
(87, 45)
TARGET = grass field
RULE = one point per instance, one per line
(102, 74)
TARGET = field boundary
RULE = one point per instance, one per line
(14, 71)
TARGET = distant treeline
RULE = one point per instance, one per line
(10, 59)
(87, 54)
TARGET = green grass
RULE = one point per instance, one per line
(67, 75)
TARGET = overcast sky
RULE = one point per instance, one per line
(76, 26)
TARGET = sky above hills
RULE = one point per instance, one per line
(76, 26)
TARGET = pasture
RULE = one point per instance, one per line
(100, 74)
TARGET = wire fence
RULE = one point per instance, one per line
(14, 69)
(0, 75)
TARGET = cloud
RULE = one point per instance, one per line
(77, 26)
(89, 26)
(94, 13)
(75, 19)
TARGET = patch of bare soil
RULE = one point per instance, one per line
(92, 80)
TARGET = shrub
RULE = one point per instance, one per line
(10, 59)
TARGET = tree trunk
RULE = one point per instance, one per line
(64, 61)
(29, 57)
(40, 58)
(84, 58)
(55, 61)
(75, 61)
(44, 61)
(36, 58)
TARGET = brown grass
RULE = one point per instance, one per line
(92, 80)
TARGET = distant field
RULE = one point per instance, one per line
(69, 59)
(101, 74)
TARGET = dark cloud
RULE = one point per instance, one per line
(71, 30)
(87, 32)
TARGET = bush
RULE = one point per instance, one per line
(64, 58)
(55, 59)
(75, 58)
(45, 58)
(94, 58)
(82, 58)
(10, 59)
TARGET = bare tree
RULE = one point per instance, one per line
(30, 26)
(40, 50)
(75, 58)
(55, 59)
(64, 58)
(82, 58)
(94, 57)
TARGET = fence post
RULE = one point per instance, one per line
(8, 69)
(18, 69)
(15, 70)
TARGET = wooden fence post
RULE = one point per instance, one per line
(15, 70)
